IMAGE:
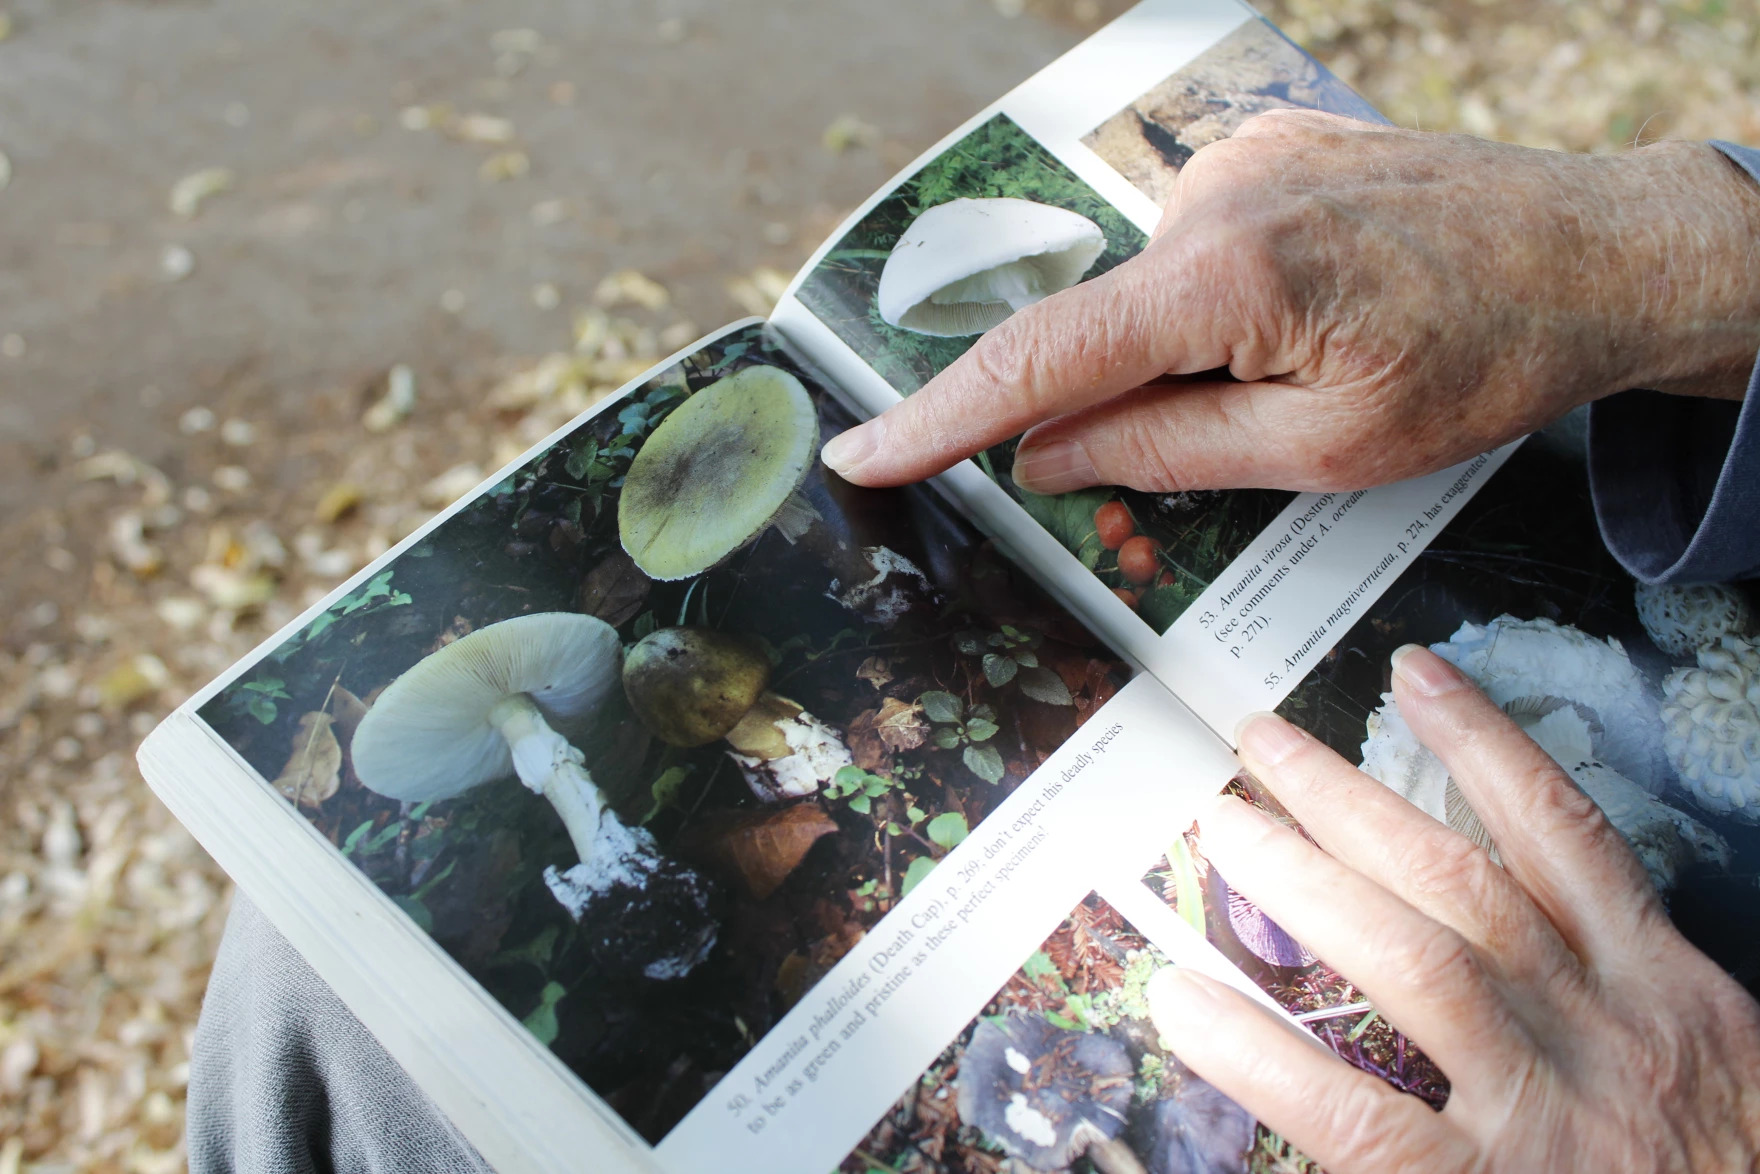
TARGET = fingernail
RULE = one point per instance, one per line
(1424, 671)
(1268, 739)
(1057, 466)
(1176, 996)
(846, 452)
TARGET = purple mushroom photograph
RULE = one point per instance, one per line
(1064, 1071)
(1314, 993)
(650, 732)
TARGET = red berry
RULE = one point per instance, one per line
(1137, 559)
(1165, 579)
(1128, 598)
(1114, 524)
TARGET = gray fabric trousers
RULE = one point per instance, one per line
(285, 1080)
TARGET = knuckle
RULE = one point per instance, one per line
(1441, 865)
(1144, 465)
(1361, 1126)
(1434, 958)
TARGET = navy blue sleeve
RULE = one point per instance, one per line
(1676, 479)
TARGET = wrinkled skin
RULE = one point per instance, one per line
(1387, 303)
(1580, 1030)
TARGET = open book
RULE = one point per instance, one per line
(668, 803)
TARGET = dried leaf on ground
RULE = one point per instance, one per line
(314, 769)
(762, 848)
(615, 589)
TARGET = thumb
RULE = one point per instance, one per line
(1170, 437)
(1075, 349)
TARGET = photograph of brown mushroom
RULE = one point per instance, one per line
(1310, 990)
(1252, 70)
(992, 224)
(1064, 1071)
(649, 734)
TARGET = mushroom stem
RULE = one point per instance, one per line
(547, 764)
(1112, 1156)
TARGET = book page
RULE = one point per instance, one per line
(736, 789)
(1228, 597)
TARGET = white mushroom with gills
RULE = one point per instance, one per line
(727, 465)
(964, 266)
(692, 686)
(507, 699)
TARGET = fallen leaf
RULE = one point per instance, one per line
(876, 670)
(762, 848)
(346, 712)
(614, 590)
(627, 286)
(314, 769)
(188, 193)
(338, 502)
(133, 680)
(901, 725)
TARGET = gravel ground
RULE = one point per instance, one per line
(193, 408)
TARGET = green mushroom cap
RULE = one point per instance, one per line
(692, 685)
(716, 471)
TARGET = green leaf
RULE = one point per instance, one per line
(1039, 965)
(945, 737)
(645, 624)
(433, 882)
(417, 912)
(984, 762)
(942, 707)
(999, 670)
(970, 643)
(892, 829)
(262, 709)
(580, 458)
(664, 790)
(947, 829)
(1070, 519)
(847, 780)
(1026, 658)
(981, 729)
(1062, 1021)
(920, 868)
(537, 951)
(542, 1021)
(1163, 605)
(1188, 893)
(354, 838)
(914, 813)
(1041, 684)
(861, 804)
(874, 786)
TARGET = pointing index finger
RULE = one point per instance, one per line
(1079, 347)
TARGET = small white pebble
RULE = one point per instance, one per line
(415, 118)
(197, 420)
(232, 478)
(238, 433)
(546, 296)
(176, 263)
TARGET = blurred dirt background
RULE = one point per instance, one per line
(277, 281)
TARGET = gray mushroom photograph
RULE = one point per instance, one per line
(1648, 697)
(1252, 70)
(1065, 1071)
(991, 225)
(650, 733)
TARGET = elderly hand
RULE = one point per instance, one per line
(1579, 1029)
(1388, 302)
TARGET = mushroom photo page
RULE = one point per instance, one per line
(737, 789)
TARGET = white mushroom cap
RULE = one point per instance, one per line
(429, 735)
(1682, 619)
(964, 266)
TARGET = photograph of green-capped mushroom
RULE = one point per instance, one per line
(992, 224)
(649, 733)
(1645, 696)
(1252, 70)
(1064, 1070)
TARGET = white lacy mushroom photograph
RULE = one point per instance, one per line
(1064, 1071)
(991, 225)
(1648, 697)
(1252, 70)
(648, 735)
